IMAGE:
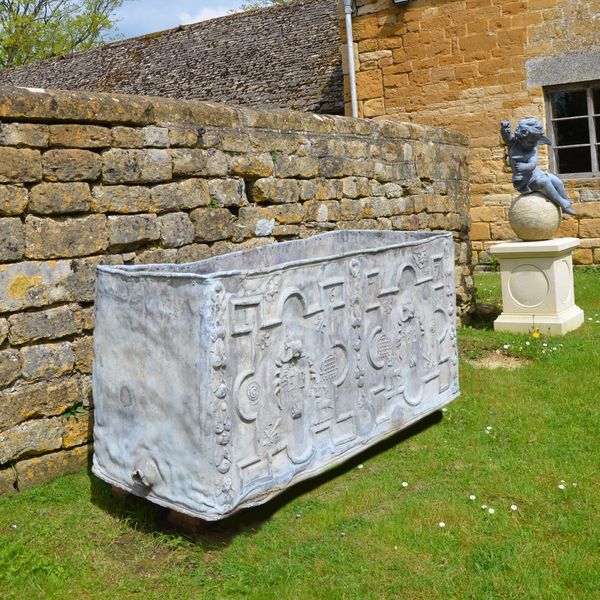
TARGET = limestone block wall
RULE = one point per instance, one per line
(96, 179)
(462, 65)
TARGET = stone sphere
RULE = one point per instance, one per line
(533, 217)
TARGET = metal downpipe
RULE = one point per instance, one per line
(350, 48)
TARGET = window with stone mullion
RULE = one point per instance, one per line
(573, 114)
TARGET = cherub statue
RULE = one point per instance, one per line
(523, 156)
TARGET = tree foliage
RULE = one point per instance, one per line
(256, 4)
(32, 30)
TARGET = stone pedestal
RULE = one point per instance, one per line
(537, 286)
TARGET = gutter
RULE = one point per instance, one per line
(350, 48)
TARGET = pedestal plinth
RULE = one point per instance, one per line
(537, 286)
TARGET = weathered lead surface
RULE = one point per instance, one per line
(217, 384)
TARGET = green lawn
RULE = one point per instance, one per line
(514, 437)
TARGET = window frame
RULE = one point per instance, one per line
(594, 144)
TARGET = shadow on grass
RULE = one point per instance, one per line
(142, 515)
(484, 315)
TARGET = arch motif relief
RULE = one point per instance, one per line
(323, 364)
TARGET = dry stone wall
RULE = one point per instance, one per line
(103, 179)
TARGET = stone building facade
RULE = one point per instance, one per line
(101, 178)
(466, 65)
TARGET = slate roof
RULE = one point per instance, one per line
(286, 56)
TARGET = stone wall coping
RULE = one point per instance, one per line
(51, 106)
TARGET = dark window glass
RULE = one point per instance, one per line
(569, 104)
(596, 95)
(597, 121)
(569, 133)
(574, 160)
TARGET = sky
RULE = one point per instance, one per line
(137, 17)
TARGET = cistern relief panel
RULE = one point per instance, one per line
(287, 367)
(327, 356)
